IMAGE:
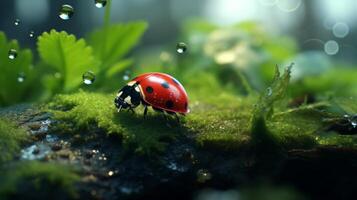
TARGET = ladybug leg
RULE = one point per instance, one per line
(145, 111)
(177, 118)
(131, 109)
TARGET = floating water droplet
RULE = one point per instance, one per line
(269, 91)
(100, 3)
(12, 54)
(331, 47)
(17, 22)
(32, 34)
(203, 175)
(181, 48)
(126, 77)
(340, 30)
(66, 12)
(88, 78)
(21, 77)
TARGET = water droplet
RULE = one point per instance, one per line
(181, 48)
(17, 22)
(110, 173)
(12, 54)
(331, 47)
(32, 34)
(21, 77)
(126, 77)
(66, 12)
(340, 30)
(203, 175)
(88, 78)
(100, 3)
(269, 91)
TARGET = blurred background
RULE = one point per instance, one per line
(312, 23)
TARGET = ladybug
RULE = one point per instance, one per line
(160, 91)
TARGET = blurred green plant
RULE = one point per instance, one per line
(36, 180)
(13, 89)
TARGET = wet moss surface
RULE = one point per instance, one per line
(88, 150)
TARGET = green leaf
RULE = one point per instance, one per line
(118, 67)
(112, 43)
(274, 93)
(67, 55)
(12, 91)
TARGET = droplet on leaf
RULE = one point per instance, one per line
(100, 3)
(88, 78)
(12, 54)
(181, 48)
(66, 12)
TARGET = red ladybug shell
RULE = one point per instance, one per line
(163, 91)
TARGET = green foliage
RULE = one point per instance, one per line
(90, 111)
(36, 180)
(11, 90)
(70, 57)
(112, 43)
(274, 93)
(64, 59)
(10, 139)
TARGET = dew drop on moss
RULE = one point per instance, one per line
(31, 34)
(88, 78)
(12, 54)
(21, 77)
(17, 22)
(100, 3)
(203, 175)
(66, 12)
(181, 48)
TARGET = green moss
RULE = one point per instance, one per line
(89, 111)
(36, 180)
(10, 139)
(223, 123)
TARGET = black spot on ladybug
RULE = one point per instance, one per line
(165, 85)
(185, 105)
(149, 89)
(175, 81)
(169, 104)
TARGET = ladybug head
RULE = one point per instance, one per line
(128, 97)
(120, 103)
